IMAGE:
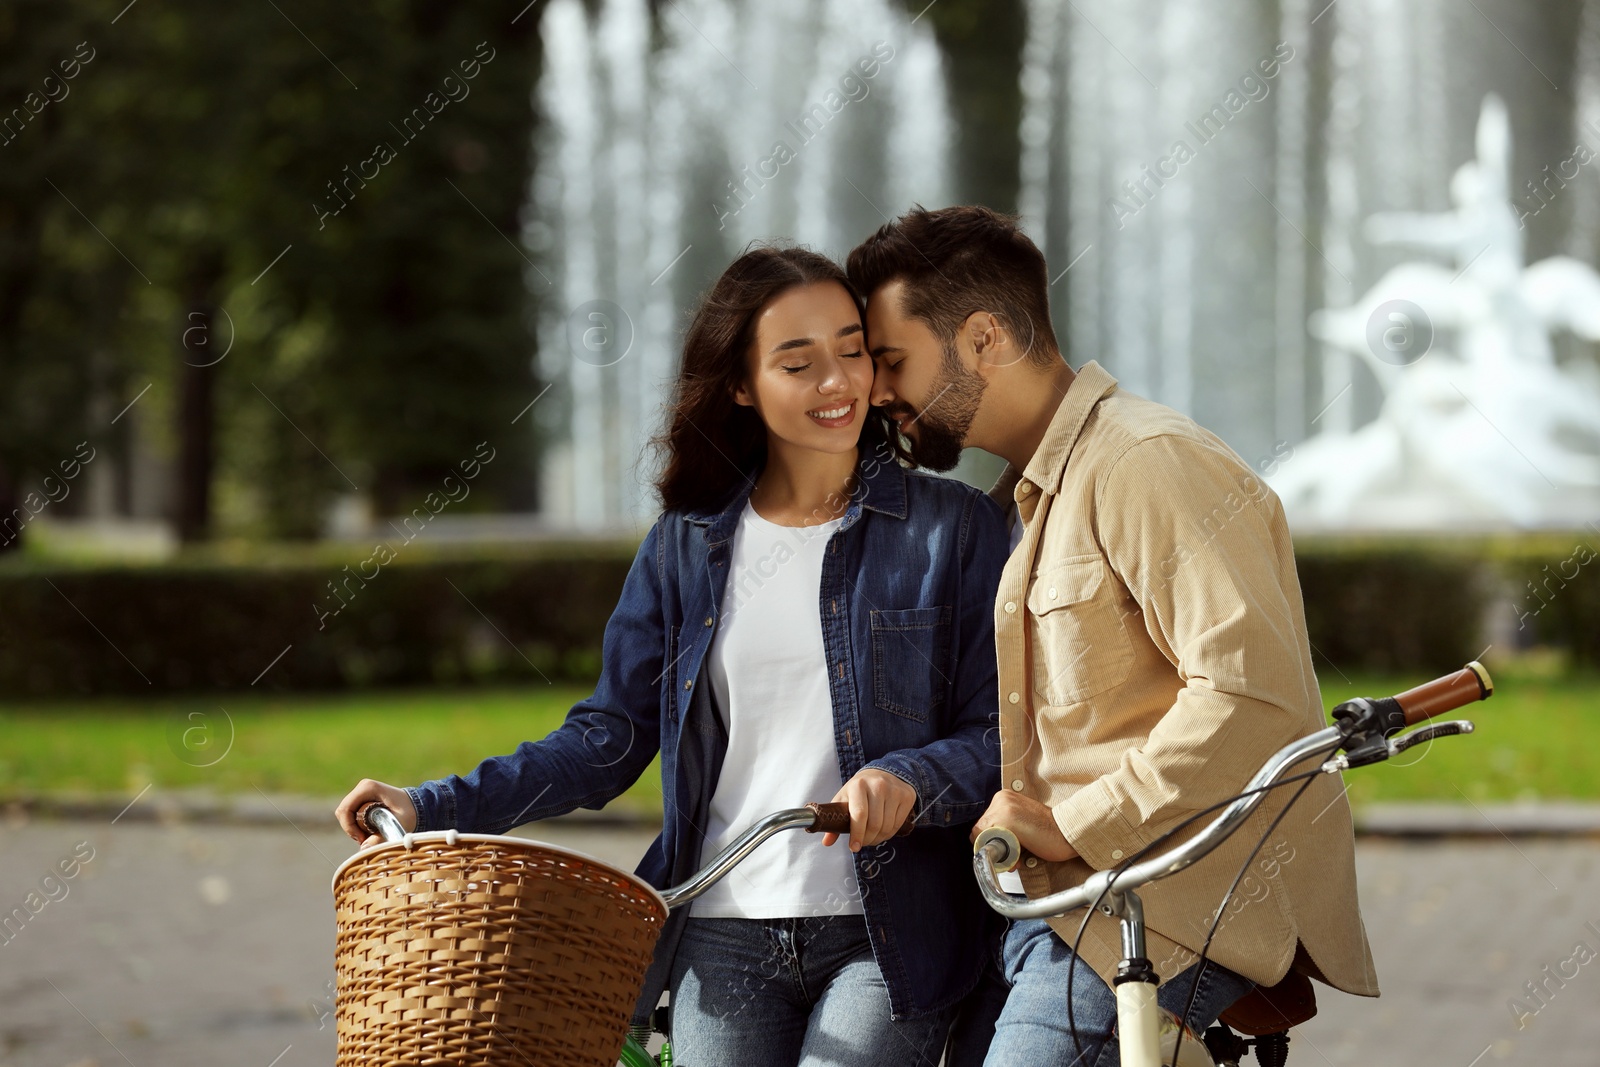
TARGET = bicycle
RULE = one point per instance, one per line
(1365, 731)
(473, 945)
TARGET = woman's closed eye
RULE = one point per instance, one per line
(842, 355)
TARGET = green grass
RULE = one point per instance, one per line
(313, 744)
(1537, 738)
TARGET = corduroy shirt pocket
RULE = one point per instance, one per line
(1081, 647)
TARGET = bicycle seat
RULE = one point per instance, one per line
(1271, 1009)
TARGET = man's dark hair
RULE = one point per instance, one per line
(958, 260)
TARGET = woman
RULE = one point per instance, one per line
(806, 620)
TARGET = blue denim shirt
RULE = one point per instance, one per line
(907, 607)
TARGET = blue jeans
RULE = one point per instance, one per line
(1033, 1026)
(973, 1029)
(788, 992)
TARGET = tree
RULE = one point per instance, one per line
(302, 329)
(44, 367)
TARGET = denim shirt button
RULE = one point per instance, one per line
(689, 683)
(708, 620)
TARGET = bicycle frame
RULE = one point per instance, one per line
(1366, 732)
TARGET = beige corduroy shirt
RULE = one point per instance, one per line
(1153, 653)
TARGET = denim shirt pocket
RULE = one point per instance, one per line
(910, 660)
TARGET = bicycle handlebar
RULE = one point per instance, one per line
(375, 818)
(997, 848)
(813, 819)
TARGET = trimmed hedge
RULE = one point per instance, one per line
(1554, 591)
(526, 612)
(216, 626)
(1414, 604)
(1392, 610)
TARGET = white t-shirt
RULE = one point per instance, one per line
(769, 675)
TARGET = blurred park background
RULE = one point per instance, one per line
(331, 341)
(332, 338)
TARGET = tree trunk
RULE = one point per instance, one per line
(12, 515)
(196, 441)
(200, 350)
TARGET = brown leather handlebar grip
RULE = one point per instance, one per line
(835, 819)
(361, 818)
(1470, 683)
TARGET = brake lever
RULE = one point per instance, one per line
(1375, 749)
(1428, 733)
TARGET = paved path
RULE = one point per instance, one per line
(187, 945)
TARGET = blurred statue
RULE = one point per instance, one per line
(1494, 431)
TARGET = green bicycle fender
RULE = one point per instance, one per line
(635, 1056)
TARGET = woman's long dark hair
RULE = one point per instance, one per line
(711, 444)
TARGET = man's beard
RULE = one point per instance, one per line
(942, 426)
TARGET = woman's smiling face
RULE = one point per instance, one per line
(808, 375)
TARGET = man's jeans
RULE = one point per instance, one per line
(1033, 1027)
(786, 992)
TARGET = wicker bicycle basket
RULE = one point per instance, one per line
(486, 950)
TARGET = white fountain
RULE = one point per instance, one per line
(1480, 425)
(1188, 260)
(669, 143)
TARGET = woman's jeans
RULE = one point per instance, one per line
(786, 992)
(1033, 1027)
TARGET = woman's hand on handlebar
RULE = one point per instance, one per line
(879, 803)
(394, 798)
(1032, 822)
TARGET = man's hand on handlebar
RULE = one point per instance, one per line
(879, 803)
(394, 798)
(1032, 822)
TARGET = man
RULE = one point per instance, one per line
(1151, 639)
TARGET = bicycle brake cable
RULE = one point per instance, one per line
(1216, 923)
(1157, 842)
